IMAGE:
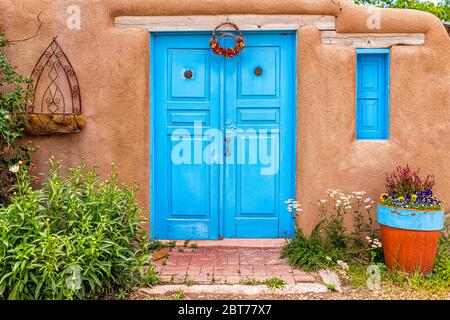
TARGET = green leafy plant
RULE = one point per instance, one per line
(251, 282)
(333, 218)
(171, 244)
(121, 294)
(189, 282)
(14, 100)
(309, 252)
(330, 243)
(275, 283)
(331, 287)
(156, 245)
(74, 237)
(177, 296)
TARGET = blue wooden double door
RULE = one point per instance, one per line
(223, 134)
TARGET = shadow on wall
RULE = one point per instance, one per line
(447, 27)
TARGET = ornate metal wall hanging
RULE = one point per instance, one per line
(55, 95)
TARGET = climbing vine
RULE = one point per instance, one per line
(14, 151)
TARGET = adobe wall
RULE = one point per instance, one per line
(112, 66)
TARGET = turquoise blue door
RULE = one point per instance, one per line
(222, 137)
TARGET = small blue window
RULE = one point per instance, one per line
(372, 94)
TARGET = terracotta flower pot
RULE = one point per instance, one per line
(410, 237)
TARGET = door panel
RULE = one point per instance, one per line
(264, 84)
(259, 171)
(196, 61)
(195, 197)
(186, 186)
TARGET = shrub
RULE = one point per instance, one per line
(330, 242)
(74, 237)
(406, 189)
(13, 103)
(309, 253)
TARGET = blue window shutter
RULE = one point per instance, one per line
(372, 94)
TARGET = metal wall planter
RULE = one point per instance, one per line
(55, 95)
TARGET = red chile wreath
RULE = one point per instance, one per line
(227, 52)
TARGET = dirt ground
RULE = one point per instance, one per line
(348, 293)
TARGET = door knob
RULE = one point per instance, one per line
(188, 74)
(258, 71)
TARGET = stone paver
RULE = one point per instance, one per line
(216, 263)
(235, 289)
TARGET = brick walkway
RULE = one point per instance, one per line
(228, 262)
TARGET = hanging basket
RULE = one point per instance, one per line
(44, 124)
(227, 52)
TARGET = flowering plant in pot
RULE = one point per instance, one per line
(411, 218)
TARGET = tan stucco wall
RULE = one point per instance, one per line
(112, 66)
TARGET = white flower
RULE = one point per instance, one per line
(376, 243)
(293, 205)
(332, 192)
(328, 258)
(14, 168)
(342, 264)
(358, 194)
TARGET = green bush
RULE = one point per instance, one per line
(14, 99)
(331, 243)
(309, 253)
(74, 237)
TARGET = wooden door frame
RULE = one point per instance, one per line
(326, 24)
(152, 134)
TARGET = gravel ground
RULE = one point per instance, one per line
(348, 293)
